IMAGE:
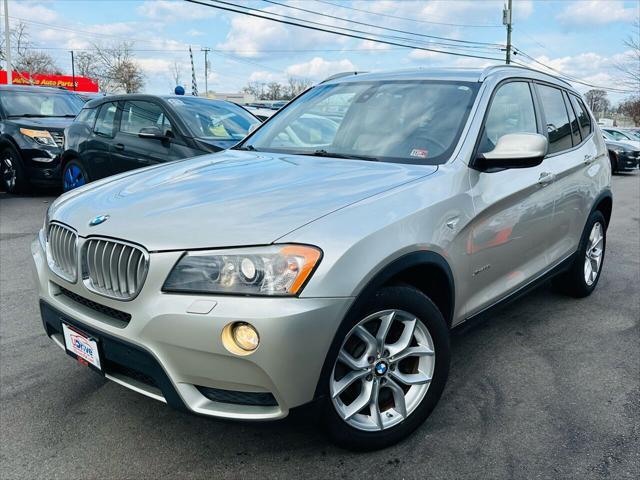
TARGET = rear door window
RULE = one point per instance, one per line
(105, 123)
(557, 119)
(575, 128)
(140, 115)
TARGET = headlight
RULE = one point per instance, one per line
(45, 224)
(275, 270)
(43, 137)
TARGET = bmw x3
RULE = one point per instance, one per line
(326, 257)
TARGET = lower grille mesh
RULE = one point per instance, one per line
(108, 311)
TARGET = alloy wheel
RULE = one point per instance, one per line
(9, 173)
(593, 255)
(383, 370)
(73, 177)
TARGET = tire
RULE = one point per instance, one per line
(74, 175)
(12, 172)
(575, 282)
(379, 376)
(613, 159)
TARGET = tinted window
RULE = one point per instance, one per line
(511, 111)
(105, 123)
(138, 115)
(616, 135)
(555, 113)
(40, 104)
(88, 116)
(583, 117)
(397, 121)
(575, 129)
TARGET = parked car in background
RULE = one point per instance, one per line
(311, 264)
(32, 122)
(622, 155)
(620, 135)
(261, 113)
(119, 133)
(633, 132)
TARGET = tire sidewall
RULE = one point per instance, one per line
(415, 302)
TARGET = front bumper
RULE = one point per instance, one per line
(182, 353)
(628, 160)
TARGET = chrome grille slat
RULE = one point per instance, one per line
(62, 252)
(113, 268)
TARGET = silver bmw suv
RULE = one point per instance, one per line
(327, 256)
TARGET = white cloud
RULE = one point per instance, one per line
(318, 68)
(597, 12)
(173, 10)
(30, 10)
(265, 77)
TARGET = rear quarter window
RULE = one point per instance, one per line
(584, 120)
(87, 116)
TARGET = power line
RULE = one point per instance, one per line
(469, 44)
(378, 26)
(359, 37)
(407, 18)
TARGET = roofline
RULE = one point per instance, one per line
(497, 68)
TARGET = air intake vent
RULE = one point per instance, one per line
(62, 252)
(58, 137)
(113, 268)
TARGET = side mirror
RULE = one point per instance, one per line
(151, 132)
(515, 150)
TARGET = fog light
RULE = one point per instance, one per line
(245, 336)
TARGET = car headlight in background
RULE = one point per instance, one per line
(43, 137)
(279, 270)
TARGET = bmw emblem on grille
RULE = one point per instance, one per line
(98, 220)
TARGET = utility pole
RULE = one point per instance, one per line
(7, 43)
(73, 71)
(206, 50)
(506, 20)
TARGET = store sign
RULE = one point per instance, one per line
(83, 84)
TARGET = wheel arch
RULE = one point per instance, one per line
(604, 204)
(8, 141)
(424, 270)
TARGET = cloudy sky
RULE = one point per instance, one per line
(583, 38)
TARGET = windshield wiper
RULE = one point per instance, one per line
(37, 115)
(323, 153)
(249, 148)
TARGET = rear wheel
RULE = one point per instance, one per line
(74, 175)
(581, 279)
(12, 172)
(390, 370)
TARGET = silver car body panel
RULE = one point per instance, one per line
(497, 231)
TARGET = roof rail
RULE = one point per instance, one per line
(493, 68)
(339, 75)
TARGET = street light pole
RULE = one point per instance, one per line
(7, 42)
(73, 71)
(206, 50)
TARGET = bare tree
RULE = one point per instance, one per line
(257, 89)
(116, 69)
(630, 67)
(597, 101)
(295, 86)
(631, 108)
(27, 59)
(176, 71)
(86, 64)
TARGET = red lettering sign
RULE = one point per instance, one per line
(83, 84)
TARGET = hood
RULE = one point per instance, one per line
(232, 198)
(54, 123)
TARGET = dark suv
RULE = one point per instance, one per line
(32, 121)
(120, 133)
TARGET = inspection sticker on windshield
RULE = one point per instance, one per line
(81, 346)
(419, 152)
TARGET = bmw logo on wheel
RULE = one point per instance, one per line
(98, 220)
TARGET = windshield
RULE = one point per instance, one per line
(616, 135)
(40, 104)
(211, 120)
(396, 121)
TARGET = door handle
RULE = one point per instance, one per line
(119, 146)
(546, 178)
(588, 159)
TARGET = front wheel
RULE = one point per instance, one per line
(12, 174)
(390, 370)
(613, 159)
(74, 175)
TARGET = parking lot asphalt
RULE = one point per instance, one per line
(549, 387)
